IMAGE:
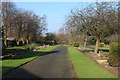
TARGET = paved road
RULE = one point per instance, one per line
(54, 65)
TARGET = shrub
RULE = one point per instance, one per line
(11, 43)
(114, 54)
(76, 44)
(102, 44)
(49, 42)
(31, 46)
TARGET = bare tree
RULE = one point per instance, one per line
(8, 9)
(20, 24)
(99, 20)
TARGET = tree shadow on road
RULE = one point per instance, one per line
(28, 55)
(19, 74)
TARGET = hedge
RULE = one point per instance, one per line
(114, 54)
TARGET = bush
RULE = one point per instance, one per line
(31, 46)
(102, 44)
(11, 43)
(114, 54)
(76, 44)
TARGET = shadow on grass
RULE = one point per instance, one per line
(98, 50)
(6, 69)
(93, 50)
(13, 51)
(32, 54)
(104, 50)
(87, 50)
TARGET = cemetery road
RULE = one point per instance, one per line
(56, 64)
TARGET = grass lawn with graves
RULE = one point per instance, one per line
(104, 50)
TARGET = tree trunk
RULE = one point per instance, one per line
(4, 36)
(97, 46)
(27, 41)
(23, 41)
(5, 42)
(5, 39)
(18, 42)
(85, 43)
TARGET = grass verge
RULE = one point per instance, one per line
(85, 67)
(10, 64)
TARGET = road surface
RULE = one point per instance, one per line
(55, 64)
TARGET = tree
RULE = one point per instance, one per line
(21, 24)
(99, 20)
(8, 9)
(62, 36)
(29, 25)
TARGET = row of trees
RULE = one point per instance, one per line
(65, 37)
(21, 24)
(99, 20)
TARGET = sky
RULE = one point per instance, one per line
(56, 12)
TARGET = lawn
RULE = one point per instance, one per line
(11, 50)
(9, 64)
(85, 67)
